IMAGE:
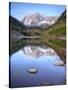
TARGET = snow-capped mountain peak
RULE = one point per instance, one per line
(38, 20)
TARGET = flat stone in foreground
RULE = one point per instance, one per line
(32, 70)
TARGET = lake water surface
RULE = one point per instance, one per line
(42, 58)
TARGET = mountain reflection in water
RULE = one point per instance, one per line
(38, 51)
(40, 58)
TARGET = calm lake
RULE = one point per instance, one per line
(40, 57)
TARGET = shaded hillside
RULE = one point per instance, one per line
(15, 24)
(15, 28)
(63, 16)
(59, 28)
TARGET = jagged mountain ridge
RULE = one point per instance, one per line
(38, 20)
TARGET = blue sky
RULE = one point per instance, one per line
(19, 10)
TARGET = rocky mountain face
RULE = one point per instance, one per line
(37, 19)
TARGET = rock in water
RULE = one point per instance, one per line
(59, 63)
(32, 70)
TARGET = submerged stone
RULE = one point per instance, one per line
(45, 84)
(32, 70)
